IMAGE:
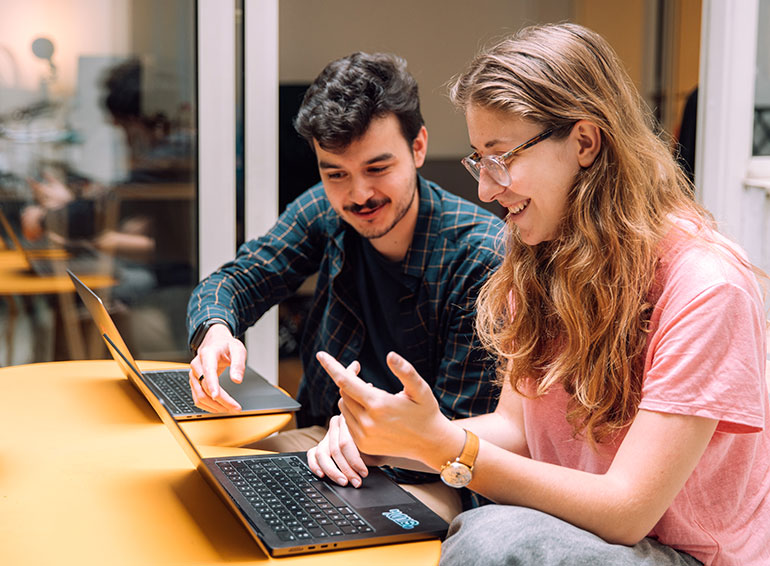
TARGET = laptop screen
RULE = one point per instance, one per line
(160, 407)
(107, 328)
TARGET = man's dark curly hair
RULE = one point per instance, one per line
(123, 86)
(350, 92)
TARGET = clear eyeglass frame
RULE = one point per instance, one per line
(496, 164)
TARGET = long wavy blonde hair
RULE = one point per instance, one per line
(581, 303)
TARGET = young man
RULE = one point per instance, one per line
(399, 263)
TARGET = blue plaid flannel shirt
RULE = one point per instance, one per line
(456, 245)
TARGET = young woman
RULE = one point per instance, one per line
(633, 421)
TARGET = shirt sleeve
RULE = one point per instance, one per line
(465, 383)
(266, 270)
(707, 358)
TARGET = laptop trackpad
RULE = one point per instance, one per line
(376, 491)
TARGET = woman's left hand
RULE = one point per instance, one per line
(406, 424)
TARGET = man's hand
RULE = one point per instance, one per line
(32, 219)
(337, 455)
(218, 350)
(51, 193)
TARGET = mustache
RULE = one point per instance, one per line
(370, 204)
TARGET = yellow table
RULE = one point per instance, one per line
(15, 259)
(12, 259)
(89, 475)
(18, 282)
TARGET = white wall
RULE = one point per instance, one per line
(437, 38)
(96, 29)
(76, 27)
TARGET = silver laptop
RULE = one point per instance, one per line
(288, 510)
(255, 394)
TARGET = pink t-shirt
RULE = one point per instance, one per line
(705, 356)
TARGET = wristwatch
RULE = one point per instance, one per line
(459, 472)
(200, 332)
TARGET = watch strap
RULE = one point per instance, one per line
(470, 450)
(203, 328)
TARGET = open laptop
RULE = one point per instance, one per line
(288, 510)
(51, 261)
(255, 394)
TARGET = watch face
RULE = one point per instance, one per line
(456, 475)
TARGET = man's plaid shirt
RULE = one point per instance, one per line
(455, 247)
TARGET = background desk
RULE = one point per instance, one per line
(14, 259)
(16, 280)
(89, 475)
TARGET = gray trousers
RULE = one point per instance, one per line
(508, 535)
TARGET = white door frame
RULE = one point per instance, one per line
(216, 143)
(261, 157)
(216, 134)
(731, 183)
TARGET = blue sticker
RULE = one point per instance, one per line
(401, 519)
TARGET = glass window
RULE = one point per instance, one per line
(761, 144)
(97, 166)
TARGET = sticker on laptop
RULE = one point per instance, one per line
(401, 519)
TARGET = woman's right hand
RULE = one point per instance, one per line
(407, 424)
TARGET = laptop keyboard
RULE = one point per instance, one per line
(291, 499)
(174, 385)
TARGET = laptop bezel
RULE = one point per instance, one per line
(122, 356)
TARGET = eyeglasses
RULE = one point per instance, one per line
(495, 164)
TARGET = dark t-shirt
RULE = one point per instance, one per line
(380, 286)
